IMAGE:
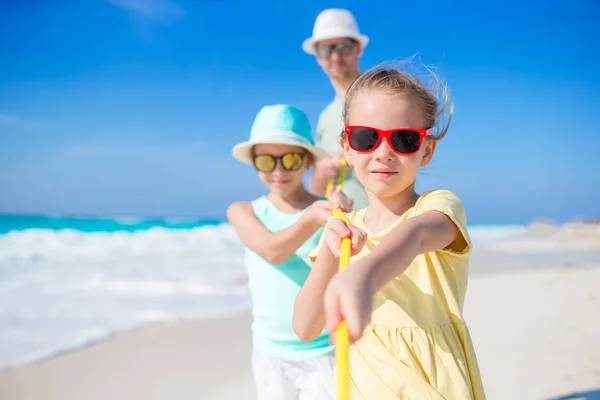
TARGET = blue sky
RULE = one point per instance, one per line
(132, 106)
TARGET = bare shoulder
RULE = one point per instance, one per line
(238, 209)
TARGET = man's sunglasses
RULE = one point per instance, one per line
(342, 48)
(365, 139)
(268, 162)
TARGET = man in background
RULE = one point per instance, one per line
(337, 44)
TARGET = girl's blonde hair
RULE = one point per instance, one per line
(434, 98)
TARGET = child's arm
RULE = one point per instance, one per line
(309, 310)
(275, 247)
(424, 233)
(350, 295)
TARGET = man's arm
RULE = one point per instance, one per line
(324, 170)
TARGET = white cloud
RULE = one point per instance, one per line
(158, 10)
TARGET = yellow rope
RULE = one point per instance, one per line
(340, 179)
(342, 338)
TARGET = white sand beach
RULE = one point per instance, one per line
(197, 359)
(533, 307)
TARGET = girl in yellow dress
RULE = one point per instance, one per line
(402, 295)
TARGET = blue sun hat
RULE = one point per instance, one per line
(278, 124)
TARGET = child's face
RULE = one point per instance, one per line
(384, 172)
(280, 180)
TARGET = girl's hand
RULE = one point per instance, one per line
(321, 211)
(339, 197)
(349, 297)
(336, 230)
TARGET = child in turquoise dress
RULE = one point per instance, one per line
(279, 230)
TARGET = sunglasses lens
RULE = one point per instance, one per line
(405, 141)
(264, 163)
(363, 139)
(323, 51)
(292, 161)
(343, 47)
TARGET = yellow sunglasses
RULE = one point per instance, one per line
(268, 162)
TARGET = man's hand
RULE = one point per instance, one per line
(325, 170)
(331, 166)
(339, 197)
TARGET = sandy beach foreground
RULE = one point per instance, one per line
(198, 359)
(536, 332)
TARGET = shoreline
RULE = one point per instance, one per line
(213, 315)
(532, 330)
(532, 307)
(232, 312)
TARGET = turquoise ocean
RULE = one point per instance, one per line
(67, 281)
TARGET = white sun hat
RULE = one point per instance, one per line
(331, 24)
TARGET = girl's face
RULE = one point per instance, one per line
(281, 167)
(384, 172)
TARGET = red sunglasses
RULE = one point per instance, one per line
(365, 139)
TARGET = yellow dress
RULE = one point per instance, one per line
(417, 345)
